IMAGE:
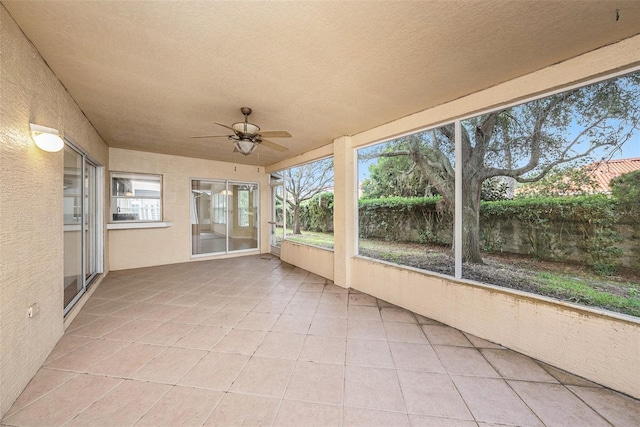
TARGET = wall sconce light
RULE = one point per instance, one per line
(47, 139)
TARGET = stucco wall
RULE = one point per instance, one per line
(316, 260)
(31, 235)
(157, 246)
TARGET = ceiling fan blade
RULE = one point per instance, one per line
(211, 136)
(275, 134)
(273, 145)
(225, 126)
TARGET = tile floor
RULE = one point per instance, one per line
(253, 341)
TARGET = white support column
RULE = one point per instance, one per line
(344, 210)
(457, 221)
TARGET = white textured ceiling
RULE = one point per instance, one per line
(149, 75)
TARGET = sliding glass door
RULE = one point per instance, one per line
(82, 225)
(224, 216)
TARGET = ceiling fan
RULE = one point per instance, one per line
(247, 136)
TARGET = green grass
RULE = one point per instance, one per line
(581, 292)
(323, 240)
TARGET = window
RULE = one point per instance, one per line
(83, 238)
(224, 216)
(136, 197)
(308, 203)
(406, 200)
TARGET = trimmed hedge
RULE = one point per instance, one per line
(591, 229)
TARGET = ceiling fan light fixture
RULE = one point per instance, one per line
(245, 146)
(245, 128)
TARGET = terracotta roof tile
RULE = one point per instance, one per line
(604, 171)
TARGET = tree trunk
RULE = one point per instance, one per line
(296, 219)
(471, 223)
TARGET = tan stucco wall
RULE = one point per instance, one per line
(157, 246)
(316, 260)
(31, 232)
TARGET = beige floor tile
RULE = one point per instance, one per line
(328, 327)
(324, 349)
(122, 406)
(258, 321)
(445, 335)
(216, 302)
(162, 298)
(373, 388)
(101, 327)
(332, 288)
(280, 294)
(244, 410)
(369, 353)
(187, 300)
(216, 371)
(139, 296)
(404, 332)
(164, 313)
(491, 400)
(555, 405)
(135, 310)
(619, 410)
(243, 304)
(363, 312)
(422, 320)
(182, 406)
(82, 319)
(166, 334)
(566, 378)
(306, 297)
(63, 403)
(264, 376)
(333, 298)
(67, 344)
(415, 357)
(195, 315)
(512, 365)
(127, 360)
(366, 329)
(362, 299)
(338, 311)
(281, 345)
(271, 306)
(294, 324)
(301, 308)
(426, 421)
(464, 361)
(170, 366)
(307, 414)
(225, 319)
(45, 381)
(133, 331)
(107, 308)
(480, 343)
(432, 394)
(240, 341)
(397, 314)
(311, 287)
(83, 358)
(358, 417)
(202, 337)
(316, 382)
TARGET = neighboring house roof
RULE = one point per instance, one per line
(604, 171)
